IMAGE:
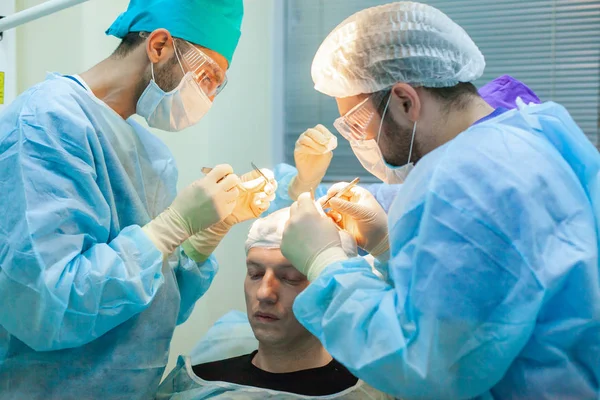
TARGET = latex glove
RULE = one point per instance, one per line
(359, 213)
(257, 197)
(311, 240)
(197, 207)
(201, 245)
(313, 153)
(253, 200)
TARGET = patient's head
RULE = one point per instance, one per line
(272, 283)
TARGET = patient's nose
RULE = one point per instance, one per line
(269, 287)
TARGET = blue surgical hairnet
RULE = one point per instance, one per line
(212, 24)
(399, 42)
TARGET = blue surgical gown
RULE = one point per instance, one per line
(493, 288)
(88, 305)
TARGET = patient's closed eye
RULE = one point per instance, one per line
(292, 277)
(255, 271)
(255, 275)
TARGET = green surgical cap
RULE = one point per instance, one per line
(214, 24)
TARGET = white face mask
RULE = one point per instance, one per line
(370, 156)
(178, 109)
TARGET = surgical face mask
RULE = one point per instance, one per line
(370, 156)
(178, 109)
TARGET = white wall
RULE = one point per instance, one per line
(239, 129)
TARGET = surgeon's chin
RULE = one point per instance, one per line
(395, 159)
(399, 157)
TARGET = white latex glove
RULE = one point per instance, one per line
(252, 202)
(311, 240)
(201, 245)
(197, 207)
(257, 197)
(312, 155)
(359, 213)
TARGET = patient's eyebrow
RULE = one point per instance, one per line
(253, 264)
(285, 266)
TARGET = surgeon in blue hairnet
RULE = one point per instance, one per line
(100, 258)
(490, 246)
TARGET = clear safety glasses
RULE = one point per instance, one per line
(208, 74)
(210, 77)
(353, 125)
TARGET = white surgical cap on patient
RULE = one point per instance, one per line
(267, 233)
(399, 42)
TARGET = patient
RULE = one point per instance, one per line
(289, 363)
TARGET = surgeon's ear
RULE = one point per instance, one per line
(159, 45)
(406, 101)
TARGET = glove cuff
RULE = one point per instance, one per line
(201, 245)
(192, 253)
(381, 248)
(222, 228)
(323, 260)
(167, 231)
(383, 257)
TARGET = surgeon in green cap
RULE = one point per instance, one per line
(100, 257)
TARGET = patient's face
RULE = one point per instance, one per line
(271, 286)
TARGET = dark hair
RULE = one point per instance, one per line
(129, 43)
(456, 97)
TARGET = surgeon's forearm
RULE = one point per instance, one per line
(200, 246)
(193, 281)
(323, 260)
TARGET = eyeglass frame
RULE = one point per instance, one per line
(348, 129)
(182, 58)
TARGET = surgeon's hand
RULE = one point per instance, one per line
(359, 213)
(254, 199)
(197, 207)
(311, 240)
(256, 196)
(312, 155)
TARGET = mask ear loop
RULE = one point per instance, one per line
(387, 104)
(412, 140)
(177, 55)
(152, 70)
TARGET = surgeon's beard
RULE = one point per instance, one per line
(167, 77)
(395, 141)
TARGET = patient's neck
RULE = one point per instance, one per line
(303, 354)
